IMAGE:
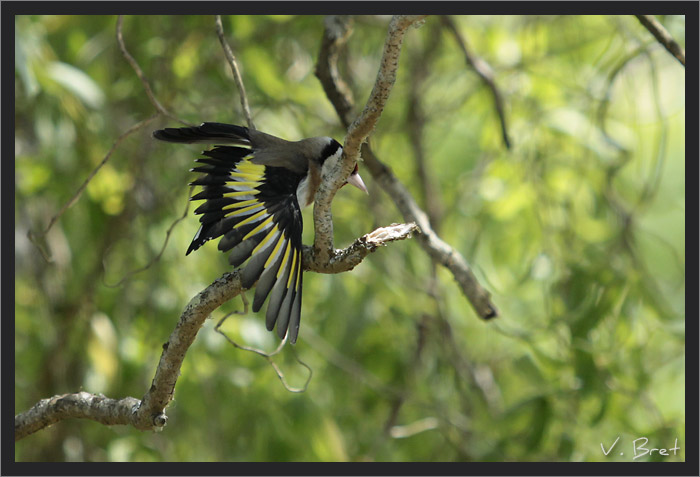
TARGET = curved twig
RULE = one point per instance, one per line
(35, 237)
(159, 254)
(267, 355)
(139, 72)
(234, 69)
(485, 73)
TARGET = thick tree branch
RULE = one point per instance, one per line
(663, 36)
(359, 130)
(348, 258)
(79, 405)
(149, 413)
(154, 402)
(236, 72)
(440, 251)
(338, 29)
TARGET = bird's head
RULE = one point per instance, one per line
(331, 155)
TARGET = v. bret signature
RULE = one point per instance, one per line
(639, 448)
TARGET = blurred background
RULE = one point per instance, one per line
(577, 230)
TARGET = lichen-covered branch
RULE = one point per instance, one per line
(663, 36)
(358, 132)
(348, 258)
(154, 402)
(80, 405)
(439, 250)
(149, 412)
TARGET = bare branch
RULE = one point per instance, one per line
(348, 258)
(149, 413)
(336, 32)
(79, 405)
(234, 69)
(34, 238)
(440, 251)
(338, 29)
(139, 72)
(358, 132)
(485, 73)
(364, 124)
(663, 36)
(160, 394)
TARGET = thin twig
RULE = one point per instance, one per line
(663, 36)
(34, 238)
(139, 72)
(162, 249)
(485, 73)
(267, 355)
(234, 69)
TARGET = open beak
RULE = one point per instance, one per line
(356, 180)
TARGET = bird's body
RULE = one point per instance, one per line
(254, 190)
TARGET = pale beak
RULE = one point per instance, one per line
(356, 180)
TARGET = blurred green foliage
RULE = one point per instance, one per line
(578, 231)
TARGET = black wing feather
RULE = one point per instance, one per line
(295, 316)
(254, 207)
(206, 133)
(279, 290)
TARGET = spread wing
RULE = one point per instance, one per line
(254, 209)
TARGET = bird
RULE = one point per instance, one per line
(254, 186)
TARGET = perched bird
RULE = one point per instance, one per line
(254, 190)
